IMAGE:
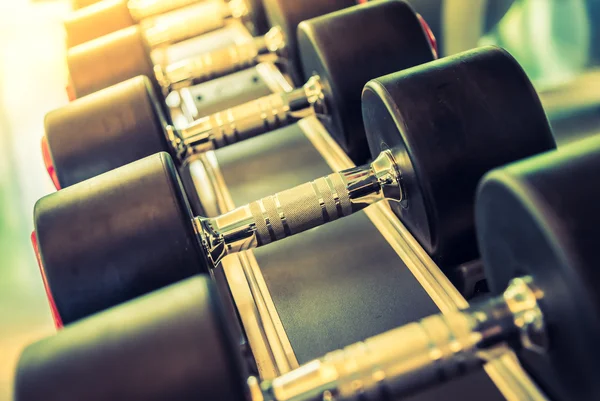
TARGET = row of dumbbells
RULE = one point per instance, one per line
(460, 147)
(324, 62)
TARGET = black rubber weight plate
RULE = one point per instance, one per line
(540, 217)
(105, 130)
(109, 60)
(287, 14)
(116, 236)
(173, 344)
(449, 122)
(350, 47)
(99, 20)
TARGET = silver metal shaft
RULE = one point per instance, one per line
(223, 61)
(298, 209)
(413, 357)
(177, 26)
(247, 120)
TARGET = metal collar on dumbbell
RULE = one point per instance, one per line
(522, 299)
(315, 97)
(176, 141)
(274, 40)
(386, 170)
(238, 8)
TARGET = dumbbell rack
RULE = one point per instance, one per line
(297, 299)
(336, 284)
(293, 307)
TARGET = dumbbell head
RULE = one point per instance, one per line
(110, 59)
(288, 14)
(540, 217)
(85, 234)
(448, 123)
(97, 20)
(348, 48)
(173, 344)
(105, 130)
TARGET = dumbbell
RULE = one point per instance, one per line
(433, 131)
(123, 123)
(125, 54)
(537, 227)
(163, 21)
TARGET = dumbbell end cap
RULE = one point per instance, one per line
(116, 236)
(53, 308)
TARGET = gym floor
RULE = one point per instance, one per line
(32, 76)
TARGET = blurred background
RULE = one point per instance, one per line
(32, 77)
(556, 41)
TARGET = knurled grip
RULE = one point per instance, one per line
(214, 64)
(301, 208)
(391, 365)
(406, 359)
(248, 120)
(176, 28)
(141, 9)
(236, 124)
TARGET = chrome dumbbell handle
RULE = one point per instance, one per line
(223, 61)
(213, 64)
(292, 211)
(402, 361)
(178, 26)
(395, 363)
(235, 124)
(141, 9)
(247, 120)
(301, 208)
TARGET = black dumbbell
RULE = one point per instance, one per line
(164, 21)
(537, 226)
(156, 320)
(125, 54)
(123, 123)
(434, 130)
